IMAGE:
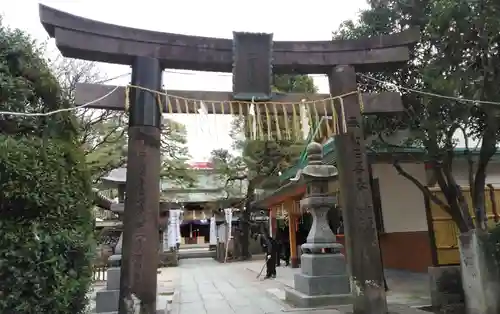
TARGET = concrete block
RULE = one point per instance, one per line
(322, 285)
(113, 279)
(303, 300)
(107, 301)
(323, 264)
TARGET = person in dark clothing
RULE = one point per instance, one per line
(269, 246)
(283, 245)
(285, 242)
(277, 251)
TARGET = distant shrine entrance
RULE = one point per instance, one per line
(252, 58)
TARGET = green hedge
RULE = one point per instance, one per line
(46, 227)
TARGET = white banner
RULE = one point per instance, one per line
(213, 231)
(179, 220)
(229, 221)
(173, 228)
(221, 233)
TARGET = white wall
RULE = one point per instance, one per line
(403, 207)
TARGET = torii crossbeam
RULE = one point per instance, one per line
(374, 103)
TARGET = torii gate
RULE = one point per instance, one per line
(252, 58)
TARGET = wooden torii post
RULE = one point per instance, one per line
(252, 58)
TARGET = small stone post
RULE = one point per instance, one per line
(323, 279)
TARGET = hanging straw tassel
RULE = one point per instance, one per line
(127, 98)
(334, 117)
(295, 126)
(240, 109)
(309, 114)
(186, 105)
(285, 118)
(160, 104)
(260, 130)
(361, 103)
(277, 121)
(178, 105)
(254, 122)
(268, 123)
(328, 129)
(342, 112)
(221, 104)
(169, 106)
(318, 120)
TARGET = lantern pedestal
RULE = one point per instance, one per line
(323, 280)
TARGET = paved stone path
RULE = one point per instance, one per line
(204, 286)
(208, 287)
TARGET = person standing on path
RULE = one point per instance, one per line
(286, 245)
(269, 246)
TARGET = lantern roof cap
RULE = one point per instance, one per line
(315, 167)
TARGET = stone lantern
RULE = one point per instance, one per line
(107, 298)
(323, 279)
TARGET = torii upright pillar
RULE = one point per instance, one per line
(362, 246)
(140, 223)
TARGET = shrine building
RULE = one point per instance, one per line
(414, 234)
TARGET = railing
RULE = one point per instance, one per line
(100, 272)
(105, 214)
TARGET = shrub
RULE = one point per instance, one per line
(46, 223)
(46, 232)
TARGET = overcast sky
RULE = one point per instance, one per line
(287, 20)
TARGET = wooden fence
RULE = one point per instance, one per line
(444, 232)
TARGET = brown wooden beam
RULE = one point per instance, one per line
(292, 234)
(221, 102)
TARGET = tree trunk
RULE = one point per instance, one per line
(245, 221)
(488, 149)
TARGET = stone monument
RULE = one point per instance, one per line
(323, 279)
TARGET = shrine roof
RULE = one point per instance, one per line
(290, 188)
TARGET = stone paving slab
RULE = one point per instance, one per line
(207, 287)
(405, 287)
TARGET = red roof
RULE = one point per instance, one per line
(201, 165)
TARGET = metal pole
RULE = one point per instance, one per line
(141, 225)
